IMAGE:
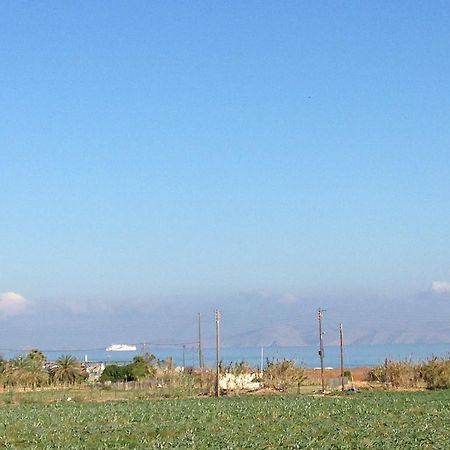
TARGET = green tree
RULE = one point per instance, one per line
(37, 356)
(141, 369)
(12, 375)
(67, 370)
(115, 373)
(36, 375)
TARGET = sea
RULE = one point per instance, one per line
(355, 355)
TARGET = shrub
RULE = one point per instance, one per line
(283, 374)
(436, 373)
(139, 369)
(433, 373)
(396, 374)
(116, 373)
(239, 368)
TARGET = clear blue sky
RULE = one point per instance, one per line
(193, 149)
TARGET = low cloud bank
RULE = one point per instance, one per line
(440, 287)
(13, 304)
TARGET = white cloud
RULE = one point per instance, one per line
(289, 298)
(440, 287)
(12, 304)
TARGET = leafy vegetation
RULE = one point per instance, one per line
(432, 374)
(67, 370)
(436, 373)
(396, 374)
(84, 416)
(141, 368)
(32, 371)
(283, 374)
(371, 420)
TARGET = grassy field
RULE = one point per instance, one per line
(380, 420)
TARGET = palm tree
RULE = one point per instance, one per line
(9, 376)
(15, 373)
(36, 375)
(36, 355)
(24, 372)
(67, 370)
(19, 372)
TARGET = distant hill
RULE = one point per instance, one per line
(271, 335)
(291, 336)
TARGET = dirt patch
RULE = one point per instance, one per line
(358, 373)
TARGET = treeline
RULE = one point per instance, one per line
(33, 371)
(433, 373)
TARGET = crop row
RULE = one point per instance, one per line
(354, 421)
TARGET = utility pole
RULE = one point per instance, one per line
(321, 353)
(341, 342)
(262, 360)
(200, 352)
(217, 316)
(184, 357)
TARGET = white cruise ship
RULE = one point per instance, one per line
(121, 348)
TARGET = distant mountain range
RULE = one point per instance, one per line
(424, 319)
(290, 336)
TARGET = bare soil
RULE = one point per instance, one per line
(358, 373)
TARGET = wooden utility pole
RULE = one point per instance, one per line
(217, 316)
(341, 342)
(321, 353)
(184, 357)
(200, 352)
(262, 360)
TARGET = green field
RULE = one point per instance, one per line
(381, 420)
